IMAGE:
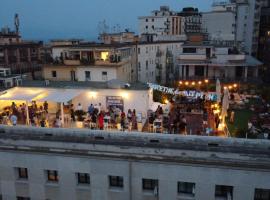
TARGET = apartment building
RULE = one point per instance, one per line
(91, 62)
(208, 60)
(216, 26)
(161, 22)
(19, 55)
(157, 61)
(38, 163)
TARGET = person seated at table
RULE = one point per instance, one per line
(151, 122)
(43, 122)
(57, 123)
(72, 112)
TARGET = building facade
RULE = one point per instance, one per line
(197, 61)
(217, 28)
(92, 62)
(19, 55)
(157, 61)
(75, 164)
(161, 22)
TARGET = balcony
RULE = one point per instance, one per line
(72, 62)
(192, 56)
(238, 57)
(108, 63)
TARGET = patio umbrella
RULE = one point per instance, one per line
(225, 105)
(218, 91)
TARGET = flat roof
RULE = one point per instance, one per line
(191, 150)
(81, 85)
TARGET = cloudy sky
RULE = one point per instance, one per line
(51, 19)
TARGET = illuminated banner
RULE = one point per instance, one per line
(188, 93)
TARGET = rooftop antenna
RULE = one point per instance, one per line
(16, 23)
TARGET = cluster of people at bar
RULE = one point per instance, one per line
(111, 118)
(33, 114)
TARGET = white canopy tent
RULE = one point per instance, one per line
(40, 94)
(59, 96)
(21, 94)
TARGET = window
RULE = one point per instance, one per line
(83, 178)
(153, 27)
(104, 76)
(23, 198)
(199, 70)
(139, 50)
(52, 175)
(146, 20)
(22, 173)
(224, 191)
(146, 65)
(146, 27)
(139, 66)
(150, 184)
(54, 75)
(153, 19)
(186, 188)
(262, 194)
(189, 50)
(116, 181)
(87, 75)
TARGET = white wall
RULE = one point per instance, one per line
(219, 25)
(148, 53)
(96, 73)
(133, 99)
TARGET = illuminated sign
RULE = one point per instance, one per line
(188, 93)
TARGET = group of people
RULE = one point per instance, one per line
(18, 113)
(174, 122)
(111, 118)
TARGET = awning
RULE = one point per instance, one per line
(58, 95)
(20, 94)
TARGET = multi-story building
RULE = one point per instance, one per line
(38, 164)
(91, 62)
(157, 61)
(161, 22)
(18, 55)
(216, 60)
(264, 43)
(192, 20)
(248, 14)
(220, 23)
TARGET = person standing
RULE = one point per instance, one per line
(13, 119)
(46, 106)
(101, 121)
(123, 121)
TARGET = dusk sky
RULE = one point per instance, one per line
(51, 19)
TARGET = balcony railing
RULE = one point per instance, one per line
(72, 62)
(192, 56)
